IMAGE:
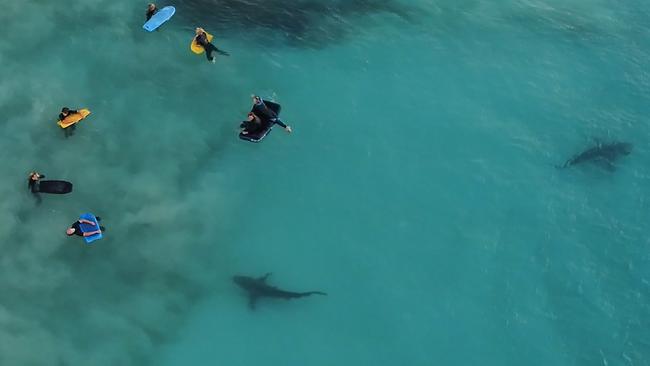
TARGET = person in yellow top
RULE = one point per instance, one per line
(201, 39)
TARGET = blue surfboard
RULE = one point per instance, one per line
(85, 228)
(159, 18)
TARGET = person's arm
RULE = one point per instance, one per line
(83, 221)
(91, 233)
(283, 125)
(279, 122)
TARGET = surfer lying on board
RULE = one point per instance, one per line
(263, 110)
(202, 40)
(151, 10)
(65, 111)
(75, 228)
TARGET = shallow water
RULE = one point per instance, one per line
(418, 189)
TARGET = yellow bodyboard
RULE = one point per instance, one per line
(73, 118)
(197, 48)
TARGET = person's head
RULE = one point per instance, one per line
(70, 231)
(151, 6)
(251, 117)
(34, 175)
(65, 110)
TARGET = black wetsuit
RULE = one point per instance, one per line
(252, 127)
(69, 131)
(33, 187)
(33, 184)
(267, 113)
(202, 40)
(77, 228)
(150, 13)
(63, 116)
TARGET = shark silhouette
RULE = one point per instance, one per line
(604, 153)
(257, 288)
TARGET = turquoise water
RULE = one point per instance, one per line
(418, 187)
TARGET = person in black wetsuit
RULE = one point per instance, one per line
(32, 184)
(262, 109)
(75, 228)
(32, 181)
(65, 112)
(201, 39)
(252, 124)
(151, 10)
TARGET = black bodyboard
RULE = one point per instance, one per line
(54, 186)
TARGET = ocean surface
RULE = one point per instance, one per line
(419, 187)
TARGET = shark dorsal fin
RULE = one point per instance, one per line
(263, 278)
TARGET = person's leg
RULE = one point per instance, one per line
(221, 52)
(208, 51)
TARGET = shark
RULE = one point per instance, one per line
(258, 288)
(604, 153)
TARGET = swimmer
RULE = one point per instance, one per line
(151, 10)
(252, 124)
(65, 112)
(262, 109)
(33, 179)
(75, 228)
(32, 184)
(201, 39)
